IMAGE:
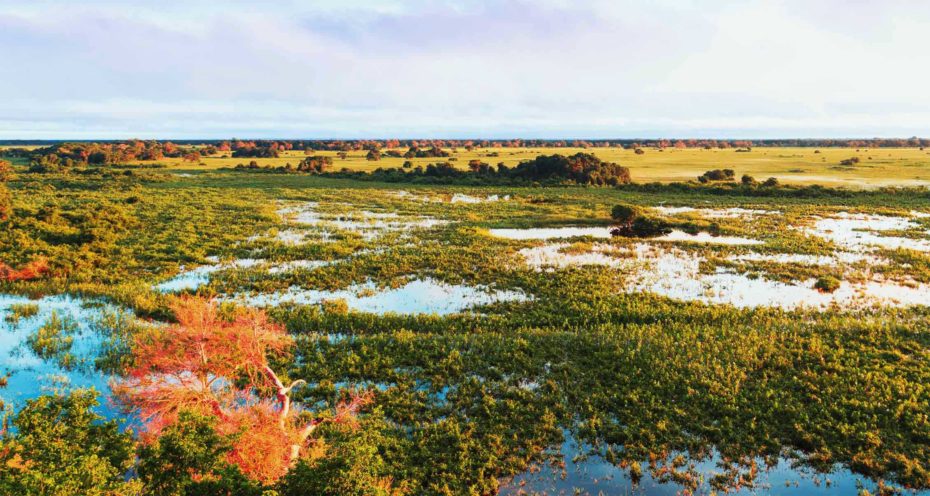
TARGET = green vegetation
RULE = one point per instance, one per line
(717, 175)
(59, 447)
(799, 162)
(632, 223)
(53, 340)
(827, 284)
(23, 311)
(466, 400)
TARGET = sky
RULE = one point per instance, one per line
(114, 69)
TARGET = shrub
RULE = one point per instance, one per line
(631, 223)
(850, 161)
(827, 284)
(648, 227)
(625, 214)
(717, 175)
(770, 182)
(315, 165)
(58, 445)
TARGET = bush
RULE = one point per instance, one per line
(648, 227)
(625, 213)
(827, 284)
(631, 223)
(58, 445)
(189, 457)
(850, 161)
(717, 175)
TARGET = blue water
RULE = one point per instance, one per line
(593, 475)
(31, 375)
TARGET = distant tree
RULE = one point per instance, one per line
(192, 157)
(748, 180)
(479, 167)
(220, 368)
(717, 175)
(770, 182)
(373, 155)
(582, 168)
(315, 165)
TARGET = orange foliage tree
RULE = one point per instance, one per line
(220, 367)
(32, 270)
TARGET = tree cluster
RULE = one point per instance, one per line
(67, 155)
(580, 168)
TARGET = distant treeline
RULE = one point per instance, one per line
(67, 155)
(580, 168)
(60, 155)
(155, 149)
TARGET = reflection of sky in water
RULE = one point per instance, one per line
(190, 280)
(33, 376)
(594, 475)
(677, 274)
(416, 297)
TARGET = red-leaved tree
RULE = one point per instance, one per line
(32, 270)
(220, 367)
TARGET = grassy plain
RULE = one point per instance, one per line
(877, 167)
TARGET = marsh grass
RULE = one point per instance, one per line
(467, 399)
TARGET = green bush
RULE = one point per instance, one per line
(827, 284)
(58, 446)
(717, 175)
(631, 223)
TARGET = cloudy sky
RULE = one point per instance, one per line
(479, 68)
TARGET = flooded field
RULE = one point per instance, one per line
(578, 472)
(56, 344)
(515, 336)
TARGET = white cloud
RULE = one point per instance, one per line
(437, 68)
